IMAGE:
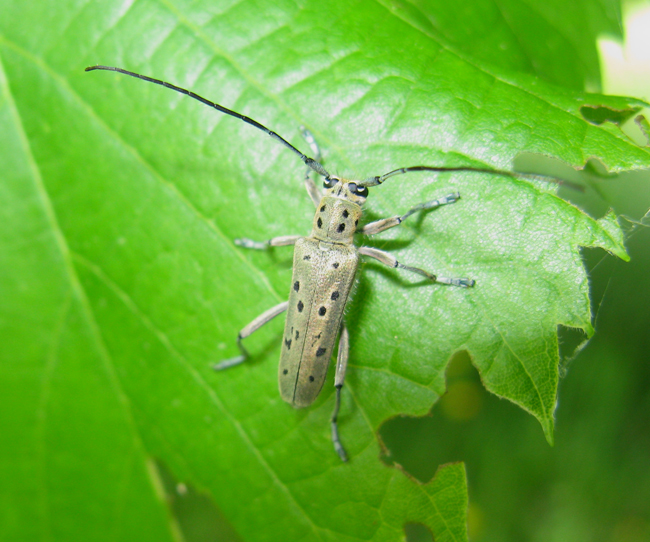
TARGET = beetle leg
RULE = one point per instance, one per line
(310, 184)
(341, 365)
(385, 223)
(282, 241)
(312, 189)
(391, 261)
(251, 328)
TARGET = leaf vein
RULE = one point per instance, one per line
(200, 381)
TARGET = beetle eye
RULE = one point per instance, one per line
(329, 182)
(358, 190)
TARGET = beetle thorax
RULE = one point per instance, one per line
(336, 220)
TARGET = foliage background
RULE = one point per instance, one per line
(79, 470)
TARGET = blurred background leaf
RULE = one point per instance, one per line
(120, 282)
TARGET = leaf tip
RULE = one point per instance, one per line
(548, 426)
(616, 245)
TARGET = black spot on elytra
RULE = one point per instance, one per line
(287, 343)
(319, 223)
(341, 227)
(346, 214)
(297, 334)
(335, 295)
(311, 378)
(285, 372)
(335, 265)
(300, 306)
(320, 351)
(322, 311)
(296, 286)
(308, 257)
(356, 222)
(322, 208)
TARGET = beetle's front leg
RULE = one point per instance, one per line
(251, 328)
(391, 261)
(385, 223)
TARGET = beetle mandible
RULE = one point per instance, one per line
(324, 267)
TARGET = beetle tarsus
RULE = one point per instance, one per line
(463, 283)
(249, 243)
(230, 362)
(335, 428)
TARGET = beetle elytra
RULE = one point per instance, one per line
(324, 268)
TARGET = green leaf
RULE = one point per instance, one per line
(554, 39)
(73, 464)
(121, 284)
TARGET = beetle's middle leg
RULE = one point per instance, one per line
(341, 365)
(251, 328)
(391, 261)
(281, 241)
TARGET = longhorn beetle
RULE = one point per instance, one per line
(324, 266)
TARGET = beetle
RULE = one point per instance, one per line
(324, 267)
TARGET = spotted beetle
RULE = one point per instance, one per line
(324, 267)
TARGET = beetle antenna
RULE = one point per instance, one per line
(310, 162)
(374, 181)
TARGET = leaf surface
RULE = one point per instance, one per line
(124, 285)
(555, 40)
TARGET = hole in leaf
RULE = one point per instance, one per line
(416, 532)
(567, 177)
(420, 445)
(598, 114)
(633, 125)
(601, 190)
(644, 127)
(196, 515)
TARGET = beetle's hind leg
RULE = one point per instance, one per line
(341, 365)
(251, 328)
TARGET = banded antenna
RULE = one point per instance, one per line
(313, 164)
(377, 180)
(317, 166)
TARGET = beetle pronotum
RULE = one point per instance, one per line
(324, 266)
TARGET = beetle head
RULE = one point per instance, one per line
(345, 189)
